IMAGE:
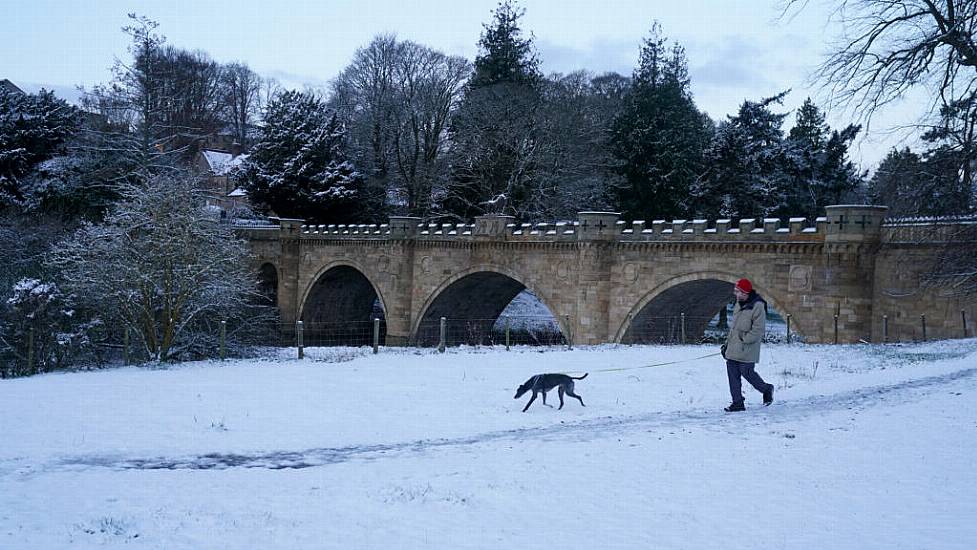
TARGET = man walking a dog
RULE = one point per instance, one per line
(742, 347)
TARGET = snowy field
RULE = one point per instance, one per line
(865, 447)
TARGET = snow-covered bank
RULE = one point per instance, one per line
(866, 446)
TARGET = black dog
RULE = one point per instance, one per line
(542, 383)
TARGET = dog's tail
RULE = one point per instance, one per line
(582, 377)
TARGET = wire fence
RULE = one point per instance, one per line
(321, 334)
(506, 331)
(511, 331)
(690, 329)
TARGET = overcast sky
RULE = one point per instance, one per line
(737, 49)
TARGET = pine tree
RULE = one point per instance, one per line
(496, 130)
(33, 128)
(892, 184)
(818, 171)
(660, 135)
(951, 159)
(744, 174)
(506, 57)
(298, 167)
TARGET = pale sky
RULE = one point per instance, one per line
(737, 49)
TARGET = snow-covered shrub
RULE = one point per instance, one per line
(41, 329)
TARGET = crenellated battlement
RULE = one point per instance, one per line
(842, 223)
(572, 231)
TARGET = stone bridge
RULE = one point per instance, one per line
(851, 275)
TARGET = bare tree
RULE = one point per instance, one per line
(363, 96)
(891, 46)
(396, 98)
(133, 103)
(578, 111)
(192, 86)
(242, 99)
(500, 146)
(429, 87)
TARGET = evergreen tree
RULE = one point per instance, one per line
(952, 158)
(660, 136)
(744, 176)
(894, 183)
(818, 171)
(298, 167)
(498, 141)
(33, 128)
(505, 56)
(941, 187)
(840, 179)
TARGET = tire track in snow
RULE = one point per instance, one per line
(780, 413)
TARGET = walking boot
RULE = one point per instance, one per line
(768, 395)
(735, 407)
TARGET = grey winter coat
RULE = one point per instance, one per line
(746, 330)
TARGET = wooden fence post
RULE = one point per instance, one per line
(443, 335)
(299, 338)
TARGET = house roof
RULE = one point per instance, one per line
(9, 87)
(221, 162)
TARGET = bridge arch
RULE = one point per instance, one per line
(339, 304)
(699, 295)
(495, 288)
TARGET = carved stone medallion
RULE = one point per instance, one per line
(800, 278)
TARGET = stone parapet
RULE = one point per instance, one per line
(842, 223)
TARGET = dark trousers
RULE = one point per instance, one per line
(737, 369)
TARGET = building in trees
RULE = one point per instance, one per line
(10, 87)
(221, 180)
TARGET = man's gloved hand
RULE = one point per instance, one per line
(722, 350)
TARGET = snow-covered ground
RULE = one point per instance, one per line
(865, 447)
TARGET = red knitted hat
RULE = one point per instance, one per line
(745, 285)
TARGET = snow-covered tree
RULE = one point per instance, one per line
(744, 163)
(659, 136)
(817, 169)
(506, 57)
(33, 128)
(952, 157)
(163, 268)
(496, 132)
(298, 167)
